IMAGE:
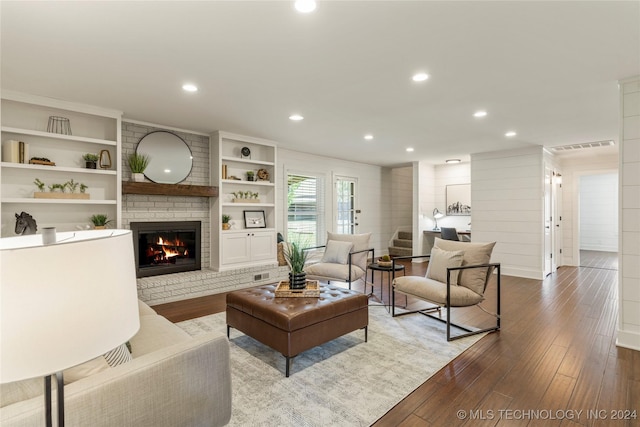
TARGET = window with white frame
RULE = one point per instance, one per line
(305, 208)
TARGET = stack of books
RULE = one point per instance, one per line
(14, 151)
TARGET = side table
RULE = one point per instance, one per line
(391, 273)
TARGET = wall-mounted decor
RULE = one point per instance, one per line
(459, 199)
(170, 158)
(254, 219)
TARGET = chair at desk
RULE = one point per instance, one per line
(449, 233)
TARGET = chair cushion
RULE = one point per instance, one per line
(435, 291)
(360, 242)
(439, 261)
(474, 253)
(337, 252)
(334, 271)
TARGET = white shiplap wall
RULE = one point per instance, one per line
(599, 212)
(507, 207)
(374, 190)
(401, 198)
(451, 175)
(573, 168)
(629, 276)
(433, 182)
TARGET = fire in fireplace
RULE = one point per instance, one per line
(166, 247)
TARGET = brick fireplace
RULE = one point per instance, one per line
(164, 247)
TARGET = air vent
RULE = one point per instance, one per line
(574, 147)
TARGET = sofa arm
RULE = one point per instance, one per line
(186, 384)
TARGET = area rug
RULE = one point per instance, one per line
(345, 382)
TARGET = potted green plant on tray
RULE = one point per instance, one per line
(296, 256)
(138, 163)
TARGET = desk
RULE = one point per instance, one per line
(390, 275)
(430, 235)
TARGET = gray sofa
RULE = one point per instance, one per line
(173, 380)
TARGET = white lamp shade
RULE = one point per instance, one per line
(66, 303)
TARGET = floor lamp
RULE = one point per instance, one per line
(64, 303)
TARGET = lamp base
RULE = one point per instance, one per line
(47, 400)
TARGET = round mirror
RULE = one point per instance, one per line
(170, 158)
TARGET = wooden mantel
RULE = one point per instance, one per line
(151, 188)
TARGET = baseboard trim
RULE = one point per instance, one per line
(630, 340)
(519, 272)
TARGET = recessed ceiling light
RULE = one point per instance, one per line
(420, 77)
(296, 117)
(510, 134)
(410, 149)
(453, 161)
(480, 114)
(189, 87)
(368, 137)
(305, 6)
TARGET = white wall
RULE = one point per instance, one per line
(573, 169)
(629, 276)
(599, 212)
(401, 197)
(451, 175)
(507, 207)
(374, 191)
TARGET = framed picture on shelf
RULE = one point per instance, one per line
(254, 219)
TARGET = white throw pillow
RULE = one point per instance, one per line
(337, 252)
(441, 260)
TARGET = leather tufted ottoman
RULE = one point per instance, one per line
(293, 325)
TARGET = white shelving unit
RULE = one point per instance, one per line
(241, 246)
(25, 118)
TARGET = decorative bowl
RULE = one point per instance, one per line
(385, 263)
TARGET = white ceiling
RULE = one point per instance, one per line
(547, 70)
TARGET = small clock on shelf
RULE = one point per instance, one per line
(245, 153)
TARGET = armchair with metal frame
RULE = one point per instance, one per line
(450, 292)
(349, 266)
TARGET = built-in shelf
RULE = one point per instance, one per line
(151, 188)
(57, 168)
(18, 131)
(59, 201)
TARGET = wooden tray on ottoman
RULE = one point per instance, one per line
(312, 290)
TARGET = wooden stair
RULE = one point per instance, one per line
(402, 245)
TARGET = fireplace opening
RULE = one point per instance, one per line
(166, 247)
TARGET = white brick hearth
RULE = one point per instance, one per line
(179, 286)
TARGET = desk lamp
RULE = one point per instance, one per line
(64, 303)
(436, 214)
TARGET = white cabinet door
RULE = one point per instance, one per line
(263, 246)
(236, 247)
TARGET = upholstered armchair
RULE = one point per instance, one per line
(457, 276)
(344, 258)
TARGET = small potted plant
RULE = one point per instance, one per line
(99, 221)
(296, 257)
(138, 163)
(90, 160)
(250, 175)
(225, 221)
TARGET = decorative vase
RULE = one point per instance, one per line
(137, 177)
(297, 280)
(90, 165)
(226, 226)
(99, 227)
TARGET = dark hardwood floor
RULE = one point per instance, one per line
(554, 362)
